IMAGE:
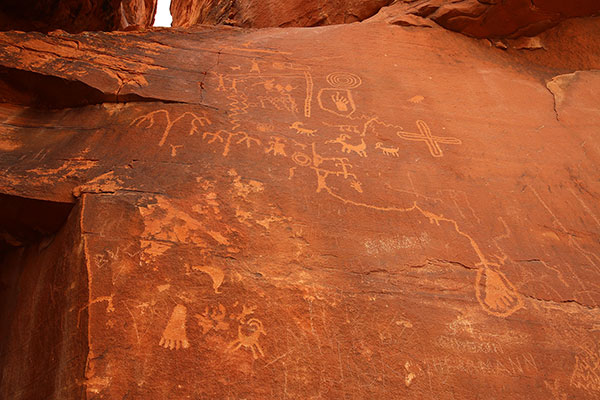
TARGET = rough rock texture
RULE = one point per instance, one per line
(478, 18)
(75, 16)
(500, 18)
(137, 14)
(366, 211)
(269, 13)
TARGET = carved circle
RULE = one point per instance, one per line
(343, 80)
(301, 159)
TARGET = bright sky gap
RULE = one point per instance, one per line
(163, 13)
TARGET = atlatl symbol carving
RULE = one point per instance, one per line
(148, 119)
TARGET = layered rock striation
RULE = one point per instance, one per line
(370, 210)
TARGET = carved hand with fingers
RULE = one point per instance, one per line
(340, 101)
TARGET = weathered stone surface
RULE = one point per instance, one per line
(482, 19)
(137, 13)
(271, 213)
(271, 13)
(506, 18)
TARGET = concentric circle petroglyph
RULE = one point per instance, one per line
(343, 80)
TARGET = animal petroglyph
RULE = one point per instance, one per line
(416, 99)
(174, 336)
(431, 141)
(248, 338)
(148, 120)
(347, 147)
(388, 151)
(299, 129)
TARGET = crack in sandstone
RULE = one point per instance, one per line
(561, 302)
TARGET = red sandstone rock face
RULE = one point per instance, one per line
(513, 18)
(259, 14)
(510, 18)
(273, 214)
(137, 13)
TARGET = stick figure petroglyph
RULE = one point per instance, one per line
(174, 336)
(249, 340)
(255, 67)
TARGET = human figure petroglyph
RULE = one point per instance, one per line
(276, 146)
(247, 139)
(255, 67)
(218, 136)
(248, 338)
(174, 336)
(221, 86)
(359, 149)
(388, 151)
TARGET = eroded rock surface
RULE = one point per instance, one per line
(371, 211)
(269, 13)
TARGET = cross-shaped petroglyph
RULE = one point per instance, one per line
(431, 141)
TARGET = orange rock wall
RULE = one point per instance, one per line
(384, 209)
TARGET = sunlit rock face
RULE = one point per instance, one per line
(374, 210)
